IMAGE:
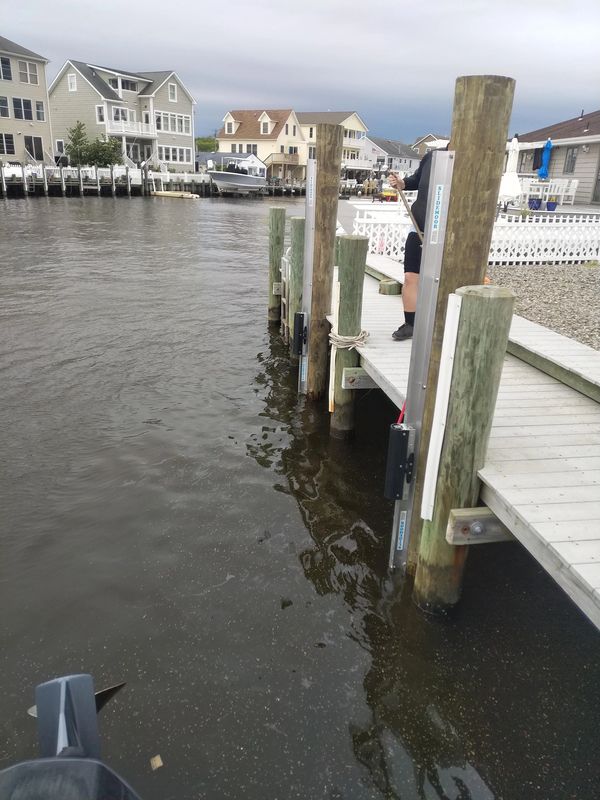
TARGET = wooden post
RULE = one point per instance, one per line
(295, 276)
(98, 181)
(352, 257)
(329, 160)
(25, 187)
(112, 181)
(485, 317)
(80, 182)
(63, 185)
(3, 178)
(128, 181)
(482, 108)
(276, 235)
(45, 179)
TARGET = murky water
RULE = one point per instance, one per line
(173, 517)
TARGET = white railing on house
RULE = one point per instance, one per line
(129, 128)
(516, 239)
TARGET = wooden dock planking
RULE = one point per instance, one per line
(542, 472)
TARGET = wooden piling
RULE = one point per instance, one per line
(295, 277)
(485, 317)
(482, 108)
(329, 160)
(3, 178)
(276, 236)
(112, 181)
(80, 175)
(63, 185)
(352, 257)
(128, 181)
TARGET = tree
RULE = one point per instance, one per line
(77, 144)
(104, 153)
(206, 144)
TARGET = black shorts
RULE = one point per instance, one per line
(412, 253)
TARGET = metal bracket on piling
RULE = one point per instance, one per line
(309, 246)
(438, 198)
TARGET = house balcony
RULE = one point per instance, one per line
(282, 158)
(357, 163)
(131, 128)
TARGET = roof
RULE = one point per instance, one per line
(6, 46)
(314, 117)
(98, 83)
(395, 148)
(570, 129)
(433, 135)
(249, 125)
(157, 78)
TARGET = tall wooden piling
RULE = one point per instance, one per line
(351, 261)
(485, 317)
(329, 160)
(482, 108)
(276, 235)
(295, 276)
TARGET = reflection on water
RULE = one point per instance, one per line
(174, 517)
(446, 717)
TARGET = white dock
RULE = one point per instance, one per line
(542, 472)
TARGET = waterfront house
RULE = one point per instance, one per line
(273, 135)
(430, 141)
(152, 113)
(355, 132)
(25, 132)
(396, 156)
(575, 154)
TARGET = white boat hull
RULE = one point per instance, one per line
(237, 182)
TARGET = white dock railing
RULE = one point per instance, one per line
(532, 239)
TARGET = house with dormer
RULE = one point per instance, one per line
(273, 135)
(152, 113)
(355, 132)
(25, 133)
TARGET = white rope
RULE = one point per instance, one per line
(348, 342)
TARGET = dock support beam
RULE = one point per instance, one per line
(295, 277)
(276, 236)
(329, 160)
(352, 257)
(485, 317)
(482, 108)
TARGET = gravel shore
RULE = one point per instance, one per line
(563, 298)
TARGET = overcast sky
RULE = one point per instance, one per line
(392, 61)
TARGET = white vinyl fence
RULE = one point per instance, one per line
(533, 239)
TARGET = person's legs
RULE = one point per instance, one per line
(412, 265)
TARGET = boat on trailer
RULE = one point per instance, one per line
(246, 175)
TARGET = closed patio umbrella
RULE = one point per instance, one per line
(510, 186)
(543, 170)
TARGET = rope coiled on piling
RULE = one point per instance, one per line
(348, 342)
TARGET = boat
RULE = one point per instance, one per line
(69, 764)
(181, 195)
(246, 175)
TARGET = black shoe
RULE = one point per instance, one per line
(404, 332)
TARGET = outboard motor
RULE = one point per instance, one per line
(69, 766)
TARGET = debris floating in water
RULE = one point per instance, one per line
(156, 762)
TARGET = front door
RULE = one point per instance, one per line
(133, 151)
(147, 152)
(33, 145)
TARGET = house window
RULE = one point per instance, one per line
(4, 112)
(281, 148)
(39, 111)
(99, 114)
(264, 127)
(248, 148)
(312, 152)
(570, 159)
(310, 133)
(229, 127)
(28, 72)
(287, 129)
(292, 150)
(129, 86)
(255, 149)
(5, 70)
(120, 114)
(294, 131)
(60, 146)
(7, 144)
(172, 92)
(158, 120)
(72, 82)
(113, 83)
(234, 148)
(22, 108)
(179, 123)
(187, 124)
(33, 145)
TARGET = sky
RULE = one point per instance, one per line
(392, 61)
